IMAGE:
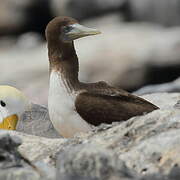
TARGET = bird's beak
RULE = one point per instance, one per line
(77, 31)
(9, 123)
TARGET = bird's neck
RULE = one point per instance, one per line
(63, 60)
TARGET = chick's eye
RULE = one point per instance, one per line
(3, 104)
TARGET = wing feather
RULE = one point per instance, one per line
(98, 106)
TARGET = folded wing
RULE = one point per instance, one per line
(111, 105)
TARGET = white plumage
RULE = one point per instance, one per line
(62, 109)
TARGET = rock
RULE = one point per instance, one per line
(37, 122)
(8, 149)
(86, 162)
(12, 19)
(142, 148)
(12, 164)
(97, 7)
(38, 149)
(48, 171)
(59, 8)
(77, 159)
(90, 161)
(173, 175)
(21, 16)
(147, 144)
(33, 63)
(129, 55)
(34, 15)
(173, 86)
(177, 105)
(155, 10)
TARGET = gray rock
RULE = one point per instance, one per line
(12, 164)
(143, 148)
(46, 170)
(19, 174)
(12, 19)
(159, 11)
(39, 149)
(147, 144)
(21, 16)
(151, 52)
(134, 141)
(81, 9)
(173, 175)
(177, 105)
(9, 156)
(173, 86)
(90, 161)
(77, 160)
(86, 161)
(37, 122)
(135, 10)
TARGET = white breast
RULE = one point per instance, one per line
(62, 110)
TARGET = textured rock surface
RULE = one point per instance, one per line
(38, 149)
(173, 86)
(8, 149)
(141, 53)
(12, 164)
(21, 16)
(142, 148)
(82, 161)
(147, 143)
(138, 140)
(156, 11)
(91, 161)
(12, 19)
(80, 9)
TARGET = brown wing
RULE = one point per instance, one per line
(110, 106)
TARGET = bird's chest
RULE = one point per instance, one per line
(60, 101)
(62, 109)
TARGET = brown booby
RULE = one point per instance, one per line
(75, 106)
(12, 105)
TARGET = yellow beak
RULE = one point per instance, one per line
(9, 123)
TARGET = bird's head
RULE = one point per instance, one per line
(12, 105)
(67, 29)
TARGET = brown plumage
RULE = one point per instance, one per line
(95, 103)
(110, 104)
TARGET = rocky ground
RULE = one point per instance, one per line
(142, 148)
(173, 86)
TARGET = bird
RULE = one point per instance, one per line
(13, 104)
(74, 106)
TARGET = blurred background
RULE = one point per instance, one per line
(139, 44)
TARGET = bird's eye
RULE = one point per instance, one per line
(3, 104)
(66, 29)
